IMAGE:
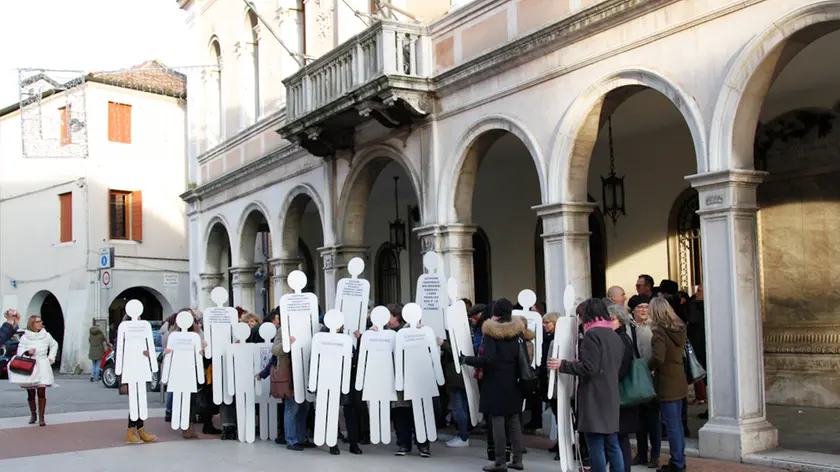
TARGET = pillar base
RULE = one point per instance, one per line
(730, 441)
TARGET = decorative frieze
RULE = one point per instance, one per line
(802, 339)
(802, 363)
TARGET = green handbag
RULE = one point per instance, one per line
(636, 387)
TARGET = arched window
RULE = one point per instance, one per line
(214, 96)
(387, 275)
(684, 249)
(250, 66)
(482, 276)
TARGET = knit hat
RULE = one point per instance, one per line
(637, 300)
(503, 308)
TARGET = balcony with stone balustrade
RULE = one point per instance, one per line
(382, 73)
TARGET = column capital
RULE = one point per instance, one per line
(210, 279)
(243, 275)
(337, 257)
(452, 237)
(727, 191)
(569, 220)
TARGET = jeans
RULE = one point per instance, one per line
(294, 421)
(651, 429)
(460, 412)
(403, 418)
(169, 402)
(96, 372)
(672, 417)
(351, 421)
(508, 428)
(604, 448)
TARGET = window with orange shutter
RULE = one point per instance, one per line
(64, 133)
(119, 122)
(65, 201)
(125, 215)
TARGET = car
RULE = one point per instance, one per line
(7, 351)
(109, 374)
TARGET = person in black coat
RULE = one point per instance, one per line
(501, 400)
(629, 420)
(9, 328)
(600, 356)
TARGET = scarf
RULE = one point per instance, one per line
(597, 324)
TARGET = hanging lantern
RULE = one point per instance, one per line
(613, 187)
(397, 227)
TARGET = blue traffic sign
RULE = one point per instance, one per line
(103, 261)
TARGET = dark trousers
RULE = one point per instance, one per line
(650, 431)
(351, 421)
(508, 428)
(403, 419)
(135, 424)
(626, 450)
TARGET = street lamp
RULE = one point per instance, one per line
(613, 187)
(397, 227)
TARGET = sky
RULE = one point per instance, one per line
(87, 35)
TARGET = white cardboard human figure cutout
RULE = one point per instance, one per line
(267, 403)
(218, 332)
(527, 298)
(329, 376)
(240, 381)
(183, 369)
(352, 296)
(564, 347)
(418, 369)
(375, 374)
(460, 340)
(431, 294)
(299, 318)
(135, 368)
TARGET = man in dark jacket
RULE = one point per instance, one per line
(9, 328)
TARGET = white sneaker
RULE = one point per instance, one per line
(457, 442)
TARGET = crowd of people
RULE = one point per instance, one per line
(653, 325)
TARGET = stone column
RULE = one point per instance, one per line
(737, 423)
(566, 247)
(335, 260)
(281, 268)
(208, 283)
(243, 288)
(453, 242)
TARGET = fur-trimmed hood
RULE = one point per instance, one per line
(517, 326)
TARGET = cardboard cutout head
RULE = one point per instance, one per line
(134, 308)
(527, 298)
(219, 296)
(412, 314)
(452, 289)
(296, 280)
(268, 331)
(431, 262)
(334, 320)
(184, 320)
(380, 317)
(241, 331)
(356, 266)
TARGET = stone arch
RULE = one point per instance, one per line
(458, 176)
(144, 293)
(247, 230)
(752, 74)
(358, 185)
(216, 232)
(574, 141)
(291, 216)
(46, 305)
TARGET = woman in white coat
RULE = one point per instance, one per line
(36, 342)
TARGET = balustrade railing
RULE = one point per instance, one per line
(385, 48)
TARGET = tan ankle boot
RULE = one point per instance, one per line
(131, 437)
(189, 433)
(144, 436)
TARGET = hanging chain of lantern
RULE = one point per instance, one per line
(613, 186)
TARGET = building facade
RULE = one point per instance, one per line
(103, 170)
(537, 144)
